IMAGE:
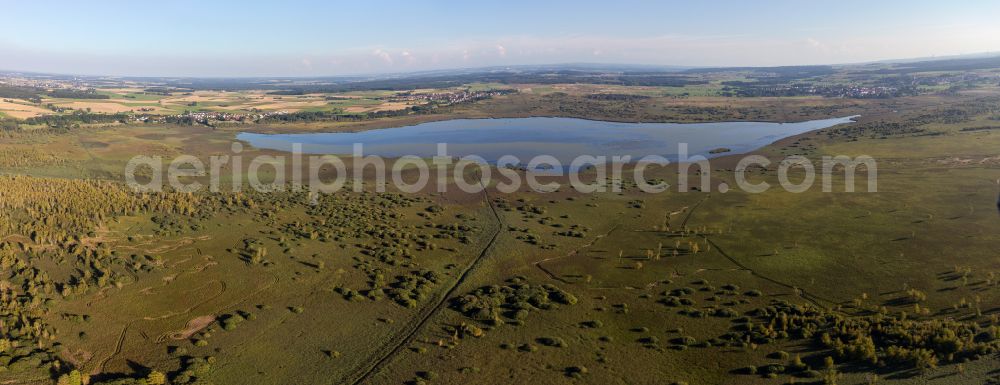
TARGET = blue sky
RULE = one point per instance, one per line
(312, 38)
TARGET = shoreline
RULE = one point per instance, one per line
(707, 154)
(354, 127)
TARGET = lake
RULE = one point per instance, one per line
(563, 138)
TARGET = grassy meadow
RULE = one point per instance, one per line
(609, 288)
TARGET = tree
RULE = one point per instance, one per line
(71, 378)
(828, 362)
(156, 378)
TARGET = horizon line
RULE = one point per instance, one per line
(673, 67)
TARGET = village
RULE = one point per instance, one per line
(205, 117)
(449, 97)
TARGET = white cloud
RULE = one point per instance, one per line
(818, 47)
(408, 57)
(384, 56)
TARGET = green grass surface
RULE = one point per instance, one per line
(931, 226)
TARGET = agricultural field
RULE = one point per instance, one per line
(138, 101)
(143, 105)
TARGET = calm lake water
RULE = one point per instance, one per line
(563, 138)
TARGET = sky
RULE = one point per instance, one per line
(330, 38)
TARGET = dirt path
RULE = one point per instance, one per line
(23, 238)
(170, 246)
(190, 328)
(572, 253)
(691, 211)
(384, 355)
(599, 237)
(118, 349)
(813, 298)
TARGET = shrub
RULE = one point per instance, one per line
(774, 369)
(649, 340)
(576, 371)
(595, 324)
(429, 375)
(555, 342)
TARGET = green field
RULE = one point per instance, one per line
(894, 286)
